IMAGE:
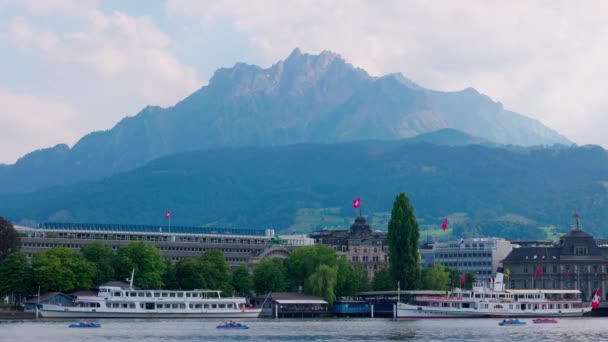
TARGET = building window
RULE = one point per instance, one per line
(580, 251)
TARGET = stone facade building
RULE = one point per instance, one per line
(576, 261)
(360, 244)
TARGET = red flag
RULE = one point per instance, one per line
(444, 226)
(595, 303)
(357, 202)
(168, 214)
(537, 273)
(462, 279)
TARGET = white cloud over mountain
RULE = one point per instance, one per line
(544, 59)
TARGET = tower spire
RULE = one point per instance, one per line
(576, 222)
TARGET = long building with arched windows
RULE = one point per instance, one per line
(177, 242)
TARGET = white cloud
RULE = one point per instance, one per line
(29, 123)
(102, 66)
(544, 59)
(129, 51)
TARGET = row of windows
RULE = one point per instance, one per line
(49, 245)
(162, 248)
(345, 249)
(171, 306)
(199, 249)
(158, 238)
(553, 283)
(464, 255)
(178, 258)
(149, 228)
(365, 258)
(466, 263)
(567, 268)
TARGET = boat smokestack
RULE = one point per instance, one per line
(498, 283)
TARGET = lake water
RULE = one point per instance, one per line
(351, 330)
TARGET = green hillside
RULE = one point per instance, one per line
(484, 190)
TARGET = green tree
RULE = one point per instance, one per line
(361, 278)
(62, 269)
(437, 278)
(242, 281)
(456, 277)
(269, 275)
(101, 256)
(383, 281)
(216, 270)
(469, 279)
(170, 276)
(403, 236)
(145, 259)
(17, 277)
(304, 261)
(346, 282)
(9, 239)
(190, 274)
(322, 283)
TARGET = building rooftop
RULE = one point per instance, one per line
(574, 243)
(130, 228)
(292, 298)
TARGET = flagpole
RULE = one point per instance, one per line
(458, 260)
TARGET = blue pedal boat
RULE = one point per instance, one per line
(232, 325)
(85, 325)
(511, 322)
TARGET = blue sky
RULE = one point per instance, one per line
(70, 67)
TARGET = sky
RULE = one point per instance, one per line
(70, 67)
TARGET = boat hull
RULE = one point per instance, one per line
(63, 313)
(406, 311)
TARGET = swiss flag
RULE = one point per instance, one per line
(537, 273)
(445, 224)
(357, 202)
(462, 279)
(595, 303)
(168, 214)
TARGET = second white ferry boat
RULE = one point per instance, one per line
(490, 299)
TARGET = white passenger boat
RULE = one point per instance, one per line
(126, 302)
(490, 299)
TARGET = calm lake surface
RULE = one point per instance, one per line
(575, 329)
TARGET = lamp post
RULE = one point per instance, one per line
(398, 292)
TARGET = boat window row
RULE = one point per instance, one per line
(164, 294)
(525, 306)
(167, 306)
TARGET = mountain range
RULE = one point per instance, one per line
(303, 99)
(515, 192)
